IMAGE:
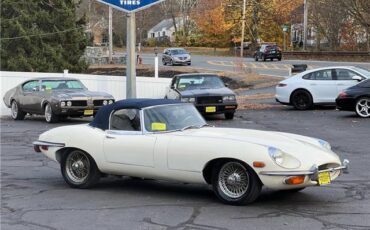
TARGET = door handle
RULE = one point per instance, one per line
(110, 137)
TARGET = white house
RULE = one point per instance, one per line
(164, 29)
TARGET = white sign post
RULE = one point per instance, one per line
(130, 7)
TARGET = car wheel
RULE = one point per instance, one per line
(235, 184)
(16, 112)
(79, 170)
(256, 58)
(271, 59)
(302, 100)
(229, 116)
(279, 59)
(171, 62)
(50, 116)
(363, 107)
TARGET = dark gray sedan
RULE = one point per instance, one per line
(56, 98)
(206, 91)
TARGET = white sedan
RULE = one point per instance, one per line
(318, 86)
(168, 140)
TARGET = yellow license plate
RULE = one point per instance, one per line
(210, 109)
(324, 178)
(89, 112)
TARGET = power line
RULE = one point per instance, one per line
(42, 35)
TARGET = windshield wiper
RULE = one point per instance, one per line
(190, 127)
(206, 125)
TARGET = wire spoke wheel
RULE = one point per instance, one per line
(363, 107)
(233, 180)
(77, 167)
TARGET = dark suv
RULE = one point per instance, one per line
(268, 52)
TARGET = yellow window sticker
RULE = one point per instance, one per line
(159, 126)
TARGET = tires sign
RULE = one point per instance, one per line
(130, 6)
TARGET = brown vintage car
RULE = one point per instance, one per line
(56, 98)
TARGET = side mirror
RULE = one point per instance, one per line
(172, 87)
(227, 84)
(357, 78)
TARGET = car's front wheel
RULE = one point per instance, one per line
(235, 183)
(164, 62)
(79, 170)
(50, 116)
(16, 112)
(229, 116)
(363, 107)
(302, 100)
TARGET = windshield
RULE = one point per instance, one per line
(199, 82)
(172, 118)
(179, 51)
(363, 71)
(61, 84)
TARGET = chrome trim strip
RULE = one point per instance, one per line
(50, 144)
(313, 171)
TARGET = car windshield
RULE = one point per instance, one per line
(172, 118)
(178, 51)
(61, 85)
(364, 72)
(199, 82)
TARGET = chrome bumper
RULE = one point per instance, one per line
(313, 172)
(37, 145)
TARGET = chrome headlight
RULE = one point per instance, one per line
(229, 98)
(110, 101)
(188, 99)
(283, 159)
(69, 103)
(105, 102)
(63, 103)
(325, 144)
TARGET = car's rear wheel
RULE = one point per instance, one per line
(235, 183)
(79, 170)
(50, 116)
(16, 112)
(229, 116)
(363, 107)
(302, 100)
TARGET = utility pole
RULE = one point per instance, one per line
(110, 35)
(131, 59)
(243, 28)
(305, 20)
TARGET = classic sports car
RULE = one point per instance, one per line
(169, 140)
(207, 91)
(55, 98)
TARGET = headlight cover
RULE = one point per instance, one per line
(324, 144)
(229, 98)
(283, 159)
(188, 99)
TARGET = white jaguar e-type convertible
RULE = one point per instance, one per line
(169, 140)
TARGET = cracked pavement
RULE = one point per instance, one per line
(34, 195)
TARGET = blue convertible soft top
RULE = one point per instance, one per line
(101, 119)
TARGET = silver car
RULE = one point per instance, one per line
(176, 56)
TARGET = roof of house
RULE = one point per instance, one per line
(164, 24)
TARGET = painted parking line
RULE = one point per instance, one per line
(250, 65)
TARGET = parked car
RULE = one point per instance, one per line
(268, 52)
(356, 98)
(55, 98)
(176, 56)
(319, 86)
(170, 140)
(206, 91)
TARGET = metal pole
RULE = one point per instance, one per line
(110, 35)
(305, 20)
(243, 28)
(284, 48)
(131, 58)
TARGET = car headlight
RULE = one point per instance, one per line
(111, 101)
(188, 99)
(105, 102)
(283, 159)
(69, 103)
(325, 144)
(63, 103)
(229, 98)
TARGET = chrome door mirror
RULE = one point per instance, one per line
(357, 78)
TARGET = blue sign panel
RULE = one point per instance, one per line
(130, 5)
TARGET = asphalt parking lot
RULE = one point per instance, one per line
(34, 195)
